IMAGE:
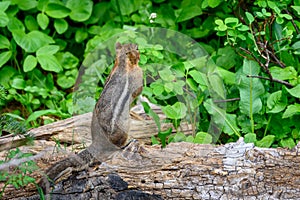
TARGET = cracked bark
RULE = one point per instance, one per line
(187, 171)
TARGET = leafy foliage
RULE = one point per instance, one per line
(249, 86)
(9, 123)
(20, 175)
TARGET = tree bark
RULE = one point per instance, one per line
(77, 130)
(180, 171)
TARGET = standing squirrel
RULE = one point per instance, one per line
(111, 116)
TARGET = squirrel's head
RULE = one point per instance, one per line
(129, 51)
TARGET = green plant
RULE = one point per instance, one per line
(37, 65)
(19, 176)
(248, 85)
(10, 123)
(268, 81)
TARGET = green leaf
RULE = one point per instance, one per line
(57, 11)
(227, 76)
(100, 10)
(43, 20)
(249, 17)
(170, 112)
(192, 84)
(178, 87)
(219, 116)
(4, 20)
(166, 74)
(250, 89)
(18, 82)
(189, 139)
(188, 12)
(83, 105)
(15, 25)
(231, 20)
(6, 74)
(250, 67)
(287, 73)
(219, 22)
(32, 41)
(276, 102)
(250, 138)
(203, 138)
(291, 111)
(30, 63)
(287, 16)
(296, 45)
(65, 81)
(47, 50)
(35, 115)
(60, 25)
(154, 141)
(266, 141)
(80, 10)
(243, 28)
(230, 126)
(216, 84)
(221, 26)
(127, 7)
(288, 142)
(297, 9)
(179, 137)
(163, 135)
(226, 57)
(152, 114)
(295, 91)
(180, 109)
(157, 54)
(80, 35)
(199, 77)
(168, 87)
(179, 69)
(25, 4)
(158, 88)
(296, 133)
(272, 5)
(67, 60)
(4, 57)
(31, 23)
(49, 63)
(176, 111)
(4, 5)
(213, 3)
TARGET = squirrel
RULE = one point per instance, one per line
(111, 115)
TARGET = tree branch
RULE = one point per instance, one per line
(226, 100)
(275, 80)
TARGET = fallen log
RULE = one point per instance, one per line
(77, 130)
(179, 171)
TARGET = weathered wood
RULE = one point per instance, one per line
(77, 130)
(180, 171)
(191, 171)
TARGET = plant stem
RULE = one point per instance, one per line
(267, 126)
(251, 107)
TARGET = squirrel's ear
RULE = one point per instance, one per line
(118, 45)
